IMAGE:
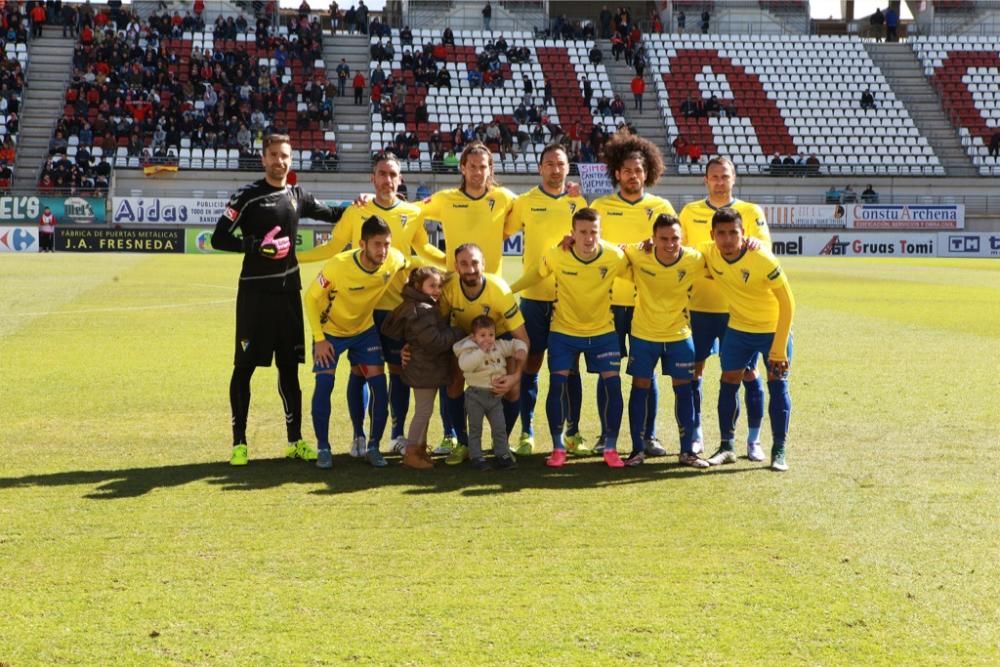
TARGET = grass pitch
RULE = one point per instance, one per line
(126, 539)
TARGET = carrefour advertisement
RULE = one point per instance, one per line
(18, 239)
(21, 210)
(199, 241)
(176, 210)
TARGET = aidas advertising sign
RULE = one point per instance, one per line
(176, 210)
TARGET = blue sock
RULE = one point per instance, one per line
(600, 413)
(357, 403)
(321, 409)
(378, 409)
(696, 397)
(447, 427)
(779, 409)
(729, 411)
(555, 408)
(511, 409)
(399, 404)
(684, 412)
(754, 397)
(612, 408)
(638, 404)
(652, 409)
(456, 410)
(574, 390)
(529, 398)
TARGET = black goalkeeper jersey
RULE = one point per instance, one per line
(255, 210)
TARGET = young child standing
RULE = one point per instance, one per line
(482, 358)
(418, 322)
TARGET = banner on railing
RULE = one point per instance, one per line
(594, 178)
(26, 209)
(199, 241)
(18, 239)
(886, 244)
(906, 216)
(780, 216)
(179, 210)
(104, 239)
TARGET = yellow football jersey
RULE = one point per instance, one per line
(342, 298)
(696, 224)
(406, 223)
(583, 289)
(493, 299)
(467, 220)
(628, 222)
(746, 283)
(662, 292)
(545, 219)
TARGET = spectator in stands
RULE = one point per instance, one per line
(689, 108)
(891, 24)
(343, 71)
(694, 153)
(681, 21)
(58, 143)
(420, 114)
(451, 161)
(877, 23)
(359, 88)
(547, 93)
(443, 78)
(406, 36)
(361, 17)
(868, 100)
(350, 19)
(706, 17)
(378, 75)
(38, 16)
(995, 144)
(869, 196)
(812, 165)
(475, 78)
(618, 105)
(604, 20)
(448, 37)
(596, 56)
(487, 15)
(638, 87)
(680, 146)
(849, 195)
(712, 106)
(617, 46)
(521, 113)
(588, 91)
(639, 62)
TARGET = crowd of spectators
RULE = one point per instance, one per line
(791, 165)
(134, 89)
(13, 30)
(711, 107)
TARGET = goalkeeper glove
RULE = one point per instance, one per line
(275, 248)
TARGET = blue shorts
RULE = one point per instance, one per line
(676, 358)
(392, 348)
(537, 318)
(601, 352)
(365, 348)
(740, 349)
(623, 326)
(707, 331)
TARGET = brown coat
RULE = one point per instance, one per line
(418, 322)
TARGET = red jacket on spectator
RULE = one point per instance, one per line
(359, 80)
(198, 7)
(638, 86)
(86, 36)
(38, 13)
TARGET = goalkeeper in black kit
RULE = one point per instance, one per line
(268, 302)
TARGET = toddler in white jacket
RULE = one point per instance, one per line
(482, 358)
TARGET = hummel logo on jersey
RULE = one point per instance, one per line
(745, 274)
(680, 274)
(648, 272)
(539, 210)
(356, 289)
(460, 206)
(717, 272)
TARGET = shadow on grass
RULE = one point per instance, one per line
(351, 476)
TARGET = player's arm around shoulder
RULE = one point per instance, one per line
(338, 241)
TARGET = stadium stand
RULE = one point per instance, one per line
(169, 90)
(13, 65)
(792, 97)
(964, 71)
(501, 79)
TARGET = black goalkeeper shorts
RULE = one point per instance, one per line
(269, 324)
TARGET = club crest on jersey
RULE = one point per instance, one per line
(572, 207)
(486, 310)
(385, 277)
(745, 274)
(231, 214)
(403, 219)
(491, 203)
(680, 274)
(603, 271)
(649, 213)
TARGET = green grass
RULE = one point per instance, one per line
(126, 539)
